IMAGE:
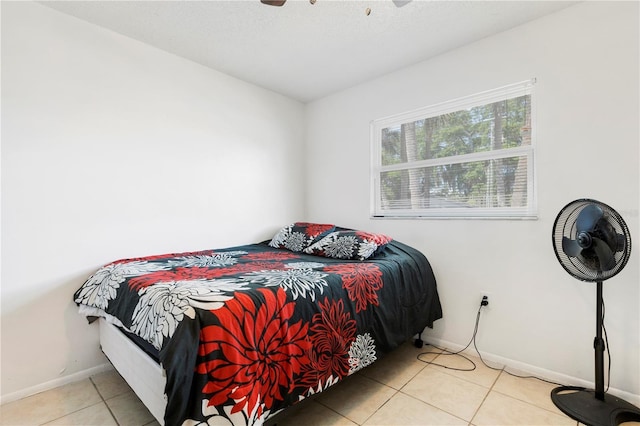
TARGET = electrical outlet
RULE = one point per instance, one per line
(484, 299)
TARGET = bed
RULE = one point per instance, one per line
(236, 335)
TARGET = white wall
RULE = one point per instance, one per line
(113, 149)
(93, 121)
(585, 59)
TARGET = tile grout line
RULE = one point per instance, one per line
(412, 377)
(68, 414)
(491, 388)
(531, 403)
(428, 364)
(383, 404)
(397, 391)
(368, 417)
(79, 409)
(436, 407)
(487, 395)
(331, 409)
(104, 401)
(469, 422)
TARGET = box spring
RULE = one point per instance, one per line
(143, 374)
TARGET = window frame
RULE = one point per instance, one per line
(467, 102)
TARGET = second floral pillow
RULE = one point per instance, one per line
(300, 235)
(349, 244)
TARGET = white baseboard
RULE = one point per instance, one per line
(518, 367)
(60, 381)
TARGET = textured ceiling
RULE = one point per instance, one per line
(302, 50)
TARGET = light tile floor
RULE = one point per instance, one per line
(396, 390)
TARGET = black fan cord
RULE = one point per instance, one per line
(447, 352)
(606, 346)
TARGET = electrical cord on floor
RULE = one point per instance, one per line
(447, 352)
(444, 351)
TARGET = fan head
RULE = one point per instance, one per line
(591, 240)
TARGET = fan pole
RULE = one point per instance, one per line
(598, 345)
(592, 243)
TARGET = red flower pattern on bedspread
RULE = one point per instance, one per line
(332, 332)
(314, 229)
(361, 280)
(256, 351)
(199, 273)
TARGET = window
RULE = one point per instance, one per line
(471, 157)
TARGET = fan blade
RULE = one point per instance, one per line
(571, 247)
(400, 3)
(273, 2)
(588, 218)
(604, 254)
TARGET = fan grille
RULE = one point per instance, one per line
(579, 267)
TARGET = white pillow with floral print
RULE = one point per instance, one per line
(348, 244)
(300, 235)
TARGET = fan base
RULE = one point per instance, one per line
(582, 405)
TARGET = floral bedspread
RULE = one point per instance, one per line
(245, 332)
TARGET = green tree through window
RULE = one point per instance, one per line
(470, 157)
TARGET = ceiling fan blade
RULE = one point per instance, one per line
(273, 2)
(604, 254)
(400, 3)
(588, 218)
(571, 247)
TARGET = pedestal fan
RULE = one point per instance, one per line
(592, 243)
